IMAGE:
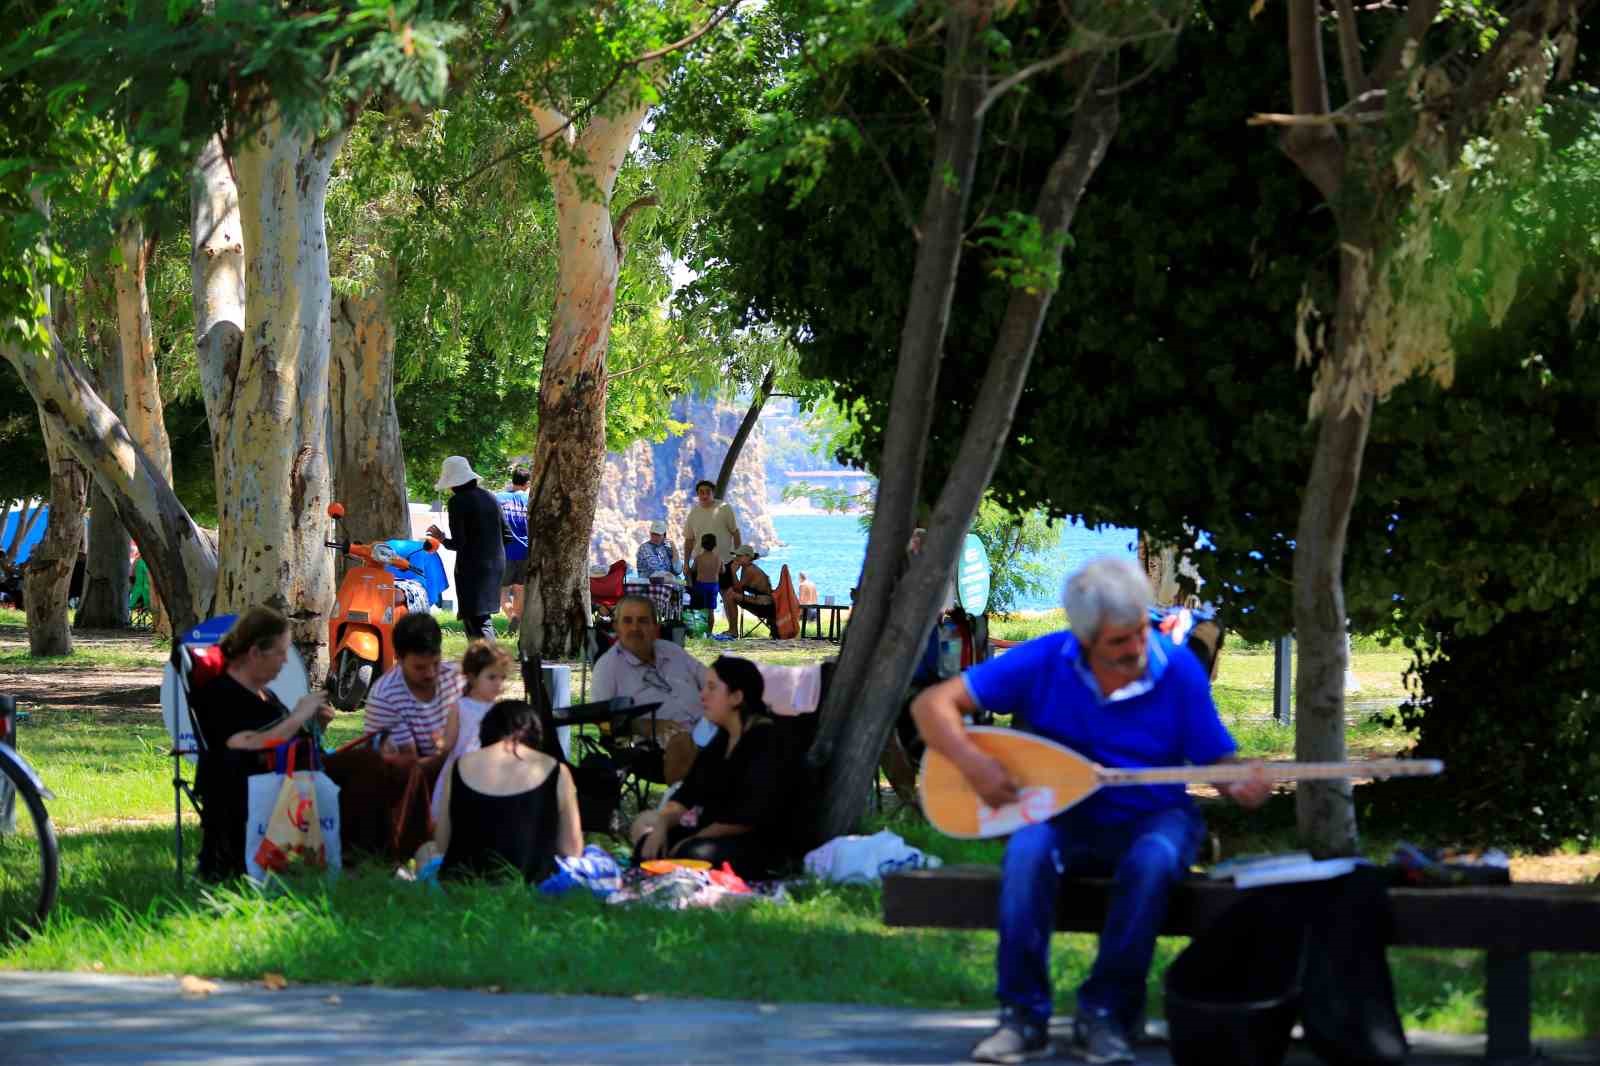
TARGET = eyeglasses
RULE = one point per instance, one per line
(654, 680)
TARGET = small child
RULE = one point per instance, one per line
(484, 668)
(707, 570)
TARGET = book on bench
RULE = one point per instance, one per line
(1287, 868)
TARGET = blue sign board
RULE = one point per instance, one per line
(972, 576)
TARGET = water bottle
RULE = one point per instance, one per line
(949, 649)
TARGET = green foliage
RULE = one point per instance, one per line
(1512, 714)
(1014, 544)
(1023, 257)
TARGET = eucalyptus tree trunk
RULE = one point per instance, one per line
(141, 387)
(272, 433)
(49, 572)
(941, 227)
(182, 559)
(1325, 810)
(569, 453)
(369, 466)
(216, 267)
(104, 604)
(886, 665)
(746, 426)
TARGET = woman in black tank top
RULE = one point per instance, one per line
(508, 807)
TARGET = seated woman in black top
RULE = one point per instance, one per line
(237, 716)
(729, 808)
(508, 806)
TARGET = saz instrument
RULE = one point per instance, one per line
(1052, 777)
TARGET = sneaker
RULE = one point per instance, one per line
(1099, 1038)
(1017, 1040)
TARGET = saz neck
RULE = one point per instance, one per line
(1271, 771)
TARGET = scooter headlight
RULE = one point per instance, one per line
(383, 554)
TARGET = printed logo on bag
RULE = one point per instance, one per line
(1034, 805)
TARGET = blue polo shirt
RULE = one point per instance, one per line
(1166, 718)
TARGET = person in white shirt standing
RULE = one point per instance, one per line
(651, 670)
(711, 515)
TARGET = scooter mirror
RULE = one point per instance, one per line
(430, 543)
(335, 509)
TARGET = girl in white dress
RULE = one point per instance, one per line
(484, 667)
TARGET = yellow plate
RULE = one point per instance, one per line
(661, 866)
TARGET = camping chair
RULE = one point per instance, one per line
(763, 617)
(604, 592)
(196, 659)
(608, 758)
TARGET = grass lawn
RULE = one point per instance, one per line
(119, 909)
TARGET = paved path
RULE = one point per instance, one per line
(102, 1020)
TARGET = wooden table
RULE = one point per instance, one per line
(811, 613)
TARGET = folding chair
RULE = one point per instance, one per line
(604, 592)
(196, 659)
(628, 762)
(764, 617)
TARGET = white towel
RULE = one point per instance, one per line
(792, 690)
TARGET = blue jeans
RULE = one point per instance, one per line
(1145, 858)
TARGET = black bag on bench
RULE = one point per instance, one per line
(1314, 949)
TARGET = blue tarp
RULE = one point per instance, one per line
(425, 567)
(35, 535)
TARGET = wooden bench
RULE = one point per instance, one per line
(1508, 922)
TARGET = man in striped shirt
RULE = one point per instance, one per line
(416, 701)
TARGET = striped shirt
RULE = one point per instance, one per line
(393, 706)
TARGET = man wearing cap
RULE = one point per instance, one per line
(479, 538)
(655, 554)
(752, 588)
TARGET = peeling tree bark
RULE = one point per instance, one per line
(570, 449)
(182, 560)
(272, 435)
(369, 467)
(141, 387)
(864, 715)
(216, 266)
(50, 564)
(105, 581)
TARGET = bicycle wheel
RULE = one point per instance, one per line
(29, 864)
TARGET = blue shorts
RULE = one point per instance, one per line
(704, 595)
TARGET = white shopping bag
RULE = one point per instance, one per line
(265, 790)
(866, 858)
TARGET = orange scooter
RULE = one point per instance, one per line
(361, 627)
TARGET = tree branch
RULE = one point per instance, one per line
(1355, 79)
(1314, 147)
(562, 123)
(1419, 16)
(620, 223)
(1337, 118)
(1011, 81)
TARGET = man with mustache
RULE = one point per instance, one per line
(1122, 695)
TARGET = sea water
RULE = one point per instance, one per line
(830, 548)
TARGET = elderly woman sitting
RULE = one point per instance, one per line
(238, 716)
(730, 806)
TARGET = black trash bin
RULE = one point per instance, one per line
(1232, 996)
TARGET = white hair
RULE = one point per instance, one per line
(1106, 590)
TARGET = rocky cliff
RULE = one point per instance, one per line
(650, 481)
